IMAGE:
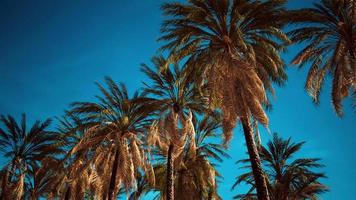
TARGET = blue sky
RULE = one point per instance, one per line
(52, 52)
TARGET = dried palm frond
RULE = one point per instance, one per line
(188, 128)
(171, 126)
(257, 134)
(241, 92)
(154, 137)
(136, 154)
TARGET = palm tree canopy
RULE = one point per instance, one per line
(288, 178)
(24, 147)
(329, 30)
(224, 38)
(177, 98)
(114, 129)
(116, 114)
(173, 87)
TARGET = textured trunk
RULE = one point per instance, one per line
(261, 186)
(4, 183)
(113, 176)
(170, 174)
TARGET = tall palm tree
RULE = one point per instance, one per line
(237, 43)
(329, 30)
(177, 98)
(115, 132)
(289, 178)
(24, 148)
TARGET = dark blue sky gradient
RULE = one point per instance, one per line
(52, 52)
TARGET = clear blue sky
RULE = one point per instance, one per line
(52, 52)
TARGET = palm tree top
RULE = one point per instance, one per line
(173, 87)
(288, 177)
(222, 39)
(115, 109)
(27, 146)
(25, 149)
(329, 30)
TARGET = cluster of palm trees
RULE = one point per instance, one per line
(223, 58)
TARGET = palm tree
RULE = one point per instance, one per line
(237, 43)
(196, 173)
(114, 134)
(72, 129)
(24, 148)
(177, 98)
(288, 178)
(330, 33)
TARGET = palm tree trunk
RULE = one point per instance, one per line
(261, 186)
(4, 183)
(113, 176)
(170, 174)
(6, 180)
